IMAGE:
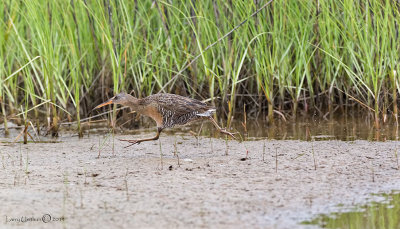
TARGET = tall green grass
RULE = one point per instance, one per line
(61, 58)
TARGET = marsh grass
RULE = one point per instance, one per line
(102, 142)
(61, 58)
(383, 214)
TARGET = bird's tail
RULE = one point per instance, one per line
(207, 113)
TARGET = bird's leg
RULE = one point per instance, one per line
(222, 130)
(138, 141)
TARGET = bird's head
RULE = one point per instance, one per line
(121, 98)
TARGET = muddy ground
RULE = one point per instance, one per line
(97, 183)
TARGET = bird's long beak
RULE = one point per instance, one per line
(110, 101)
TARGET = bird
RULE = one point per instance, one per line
(167, 110)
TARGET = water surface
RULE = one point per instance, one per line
(377, 214)
(347, 128)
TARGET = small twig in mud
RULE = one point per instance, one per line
(34, 131)
(310, 202)
(227, 147)
(194, 134)
(211, 145)
(161, 154)
(26, 164)
(88, 131)
(12, 160)
(198, 133)
(397, 159)
(313, 154)
(98, 155)
(240, 136)
(20, 156)
(101, 144)
(113, 142)
(247, 156)
(247, 150)
(15, 178)
(244, 123)
(105, 206)
(126, 184)
(263, 155)
(66, 183)
(176, 153)
(175, 147)
(372, 172)
(308, 134)
(179, 164)
(229, 124)
(2, 160)
(24, 133)
(244, 144)
(276, 160)
(85, 182)
(81, 197)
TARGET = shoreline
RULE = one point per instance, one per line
(130, 188)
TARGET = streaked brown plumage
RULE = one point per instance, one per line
(167, 110)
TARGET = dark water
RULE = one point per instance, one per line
(382, 214)
(341, 128)
(304, 128)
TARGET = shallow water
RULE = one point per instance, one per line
(340, 128)
(305, 128)
(377, 214)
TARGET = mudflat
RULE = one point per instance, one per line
(97, 183)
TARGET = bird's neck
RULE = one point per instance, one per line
(134, 104)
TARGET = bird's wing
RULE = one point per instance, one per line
(179, 105)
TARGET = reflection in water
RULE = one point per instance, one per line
(347, 128)
(339, 128)
(384, 214)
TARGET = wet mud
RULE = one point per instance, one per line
(181, 182)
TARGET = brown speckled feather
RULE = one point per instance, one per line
(174, 109)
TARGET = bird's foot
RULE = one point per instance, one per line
(133, 142)
(193, 134)
(224, 131)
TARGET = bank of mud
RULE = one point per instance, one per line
(97, 183)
